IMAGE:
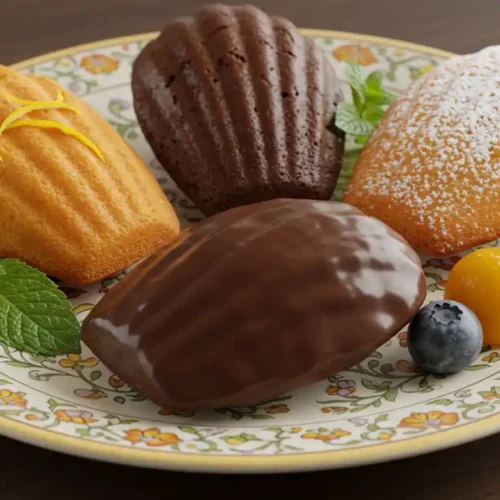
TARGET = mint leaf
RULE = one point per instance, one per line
(348, 119)
(370, 102)
(373, 81)
(361, 140)
(358, 100)
(356, 82)
(373, 114)
(380, 98)
(35, 316)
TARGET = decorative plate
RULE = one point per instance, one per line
(382, 409)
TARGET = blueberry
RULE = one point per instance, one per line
(445, 337)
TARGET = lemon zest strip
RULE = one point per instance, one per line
(59, 126)
(20, 112)
(9, 97)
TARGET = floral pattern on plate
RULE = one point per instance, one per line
(384, 398)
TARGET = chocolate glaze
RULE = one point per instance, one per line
(256, 301)
(236, 106)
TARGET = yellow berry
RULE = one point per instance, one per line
(475, 282)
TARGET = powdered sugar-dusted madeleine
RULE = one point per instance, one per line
(431, 170)
(75, 200)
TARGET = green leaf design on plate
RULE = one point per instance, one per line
(391, 394)
(443, 401)
(372, 386)
(19, 364)
(387, 368)
(188, 429)
(35, 316)
(53, 404)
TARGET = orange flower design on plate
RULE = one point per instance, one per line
(355, 53)
(493, 393)
(75, 416)
(326, 435)
(90, 393)
(152, 437)
(431, 420)
(115, 381)
(492, 357)
(385, 436)
(278, 409)
(77, 363)
(100, 63)
(32, 417)
(332, 409)
(9, 398)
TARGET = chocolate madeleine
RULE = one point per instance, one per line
(256, 301)
(237, 105)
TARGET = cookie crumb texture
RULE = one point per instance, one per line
(431, 170)
(236, 106)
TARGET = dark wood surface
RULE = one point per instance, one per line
(31, 27)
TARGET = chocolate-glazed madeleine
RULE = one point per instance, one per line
(236, 106)
(256, 301)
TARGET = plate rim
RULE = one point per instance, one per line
(315, 33)
(293, 462)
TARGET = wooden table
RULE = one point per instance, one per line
(31, 27)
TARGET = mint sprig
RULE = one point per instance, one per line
(370, 101)
(35, 316)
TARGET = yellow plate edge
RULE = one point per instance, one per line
(314, 33)
(246, 464)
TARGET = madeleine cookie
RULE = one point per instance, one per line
(76, 201)
(431, 170)
(236, 106)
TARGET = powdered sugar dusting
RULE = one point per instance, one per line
(438, 151)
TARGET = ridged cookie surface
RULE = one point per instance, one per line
(64, 210)
(236, 106)
(256, 301)
(431, 170)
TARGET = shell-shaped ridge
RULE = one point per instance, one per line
(65, 211)
(430, 170)
(207, 334)
(236, 105)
